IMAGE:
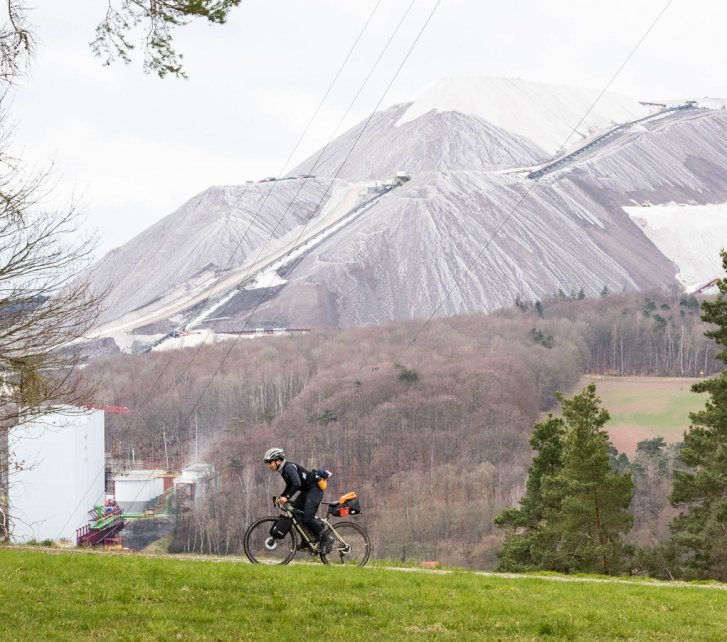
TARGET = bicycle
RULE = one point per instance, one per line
(351, 544)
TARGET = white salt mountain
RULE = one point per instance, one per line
(474, 124)
(208, 235)
(469, 232)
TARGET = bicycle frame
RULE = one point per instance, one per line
(298, 526)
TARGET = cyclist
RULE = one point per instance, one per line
(309, 498)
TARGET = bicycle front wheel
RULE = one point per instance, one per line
(351, 545)
(263, 548)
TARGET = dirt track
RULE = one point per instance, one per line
(234, 559)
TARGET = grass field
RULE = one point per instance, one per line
(72, 595)
(646, 407)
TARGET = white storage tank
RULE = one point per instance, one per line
(61, 463)
(138, 490)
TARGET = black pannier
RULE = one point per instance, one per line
(281, 527)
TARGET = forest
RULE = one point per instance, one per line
(429, 422)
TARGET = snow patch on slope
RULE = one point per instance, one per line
(545, 114)
(690, 235)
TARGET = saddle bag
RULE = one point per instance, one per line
(347, 504)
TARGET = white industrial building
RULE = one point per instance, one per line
(56, 466)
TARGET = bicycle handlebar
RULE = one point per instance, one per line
(284, 507)
(288, 508)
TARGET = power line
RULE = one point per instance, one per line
(335, 131)
(260, 207)
(274, 183)
(272, 187)
(533, 183)
(266, 290)
(363, 129)
(500, 226)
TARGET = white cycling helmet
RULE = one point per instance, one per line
(273, 455)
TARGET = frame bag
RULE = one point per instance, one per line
(281, 527)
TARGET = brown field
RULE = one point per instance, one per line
(646, 407)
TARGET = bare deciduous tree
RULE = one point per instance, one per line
(17, 44)
(45, 309)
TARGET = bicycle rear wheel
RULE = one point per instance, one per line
(351, 545)
(263, 548)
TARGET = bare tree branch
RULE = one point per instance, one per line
(45, 308)
(153, 21)
(158, 19)
(17, 44)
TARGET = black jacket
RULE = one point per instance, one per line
(296, 479)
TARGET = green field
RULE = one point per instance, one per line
(73, 595)
(646, 407)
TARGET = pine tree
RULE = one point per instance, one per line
(526, 546)
(700, 533)
(593, 497)
(576, 504)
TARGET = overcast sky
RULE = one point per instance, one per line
(136, 147)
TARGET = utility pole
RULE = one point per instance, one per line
(166, 454)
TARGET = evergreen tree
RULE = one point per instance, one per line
(576, 505)
(592, 497)
(700, 533)
(526, 546)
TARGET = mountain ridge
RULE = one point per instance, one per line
(469, 232)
